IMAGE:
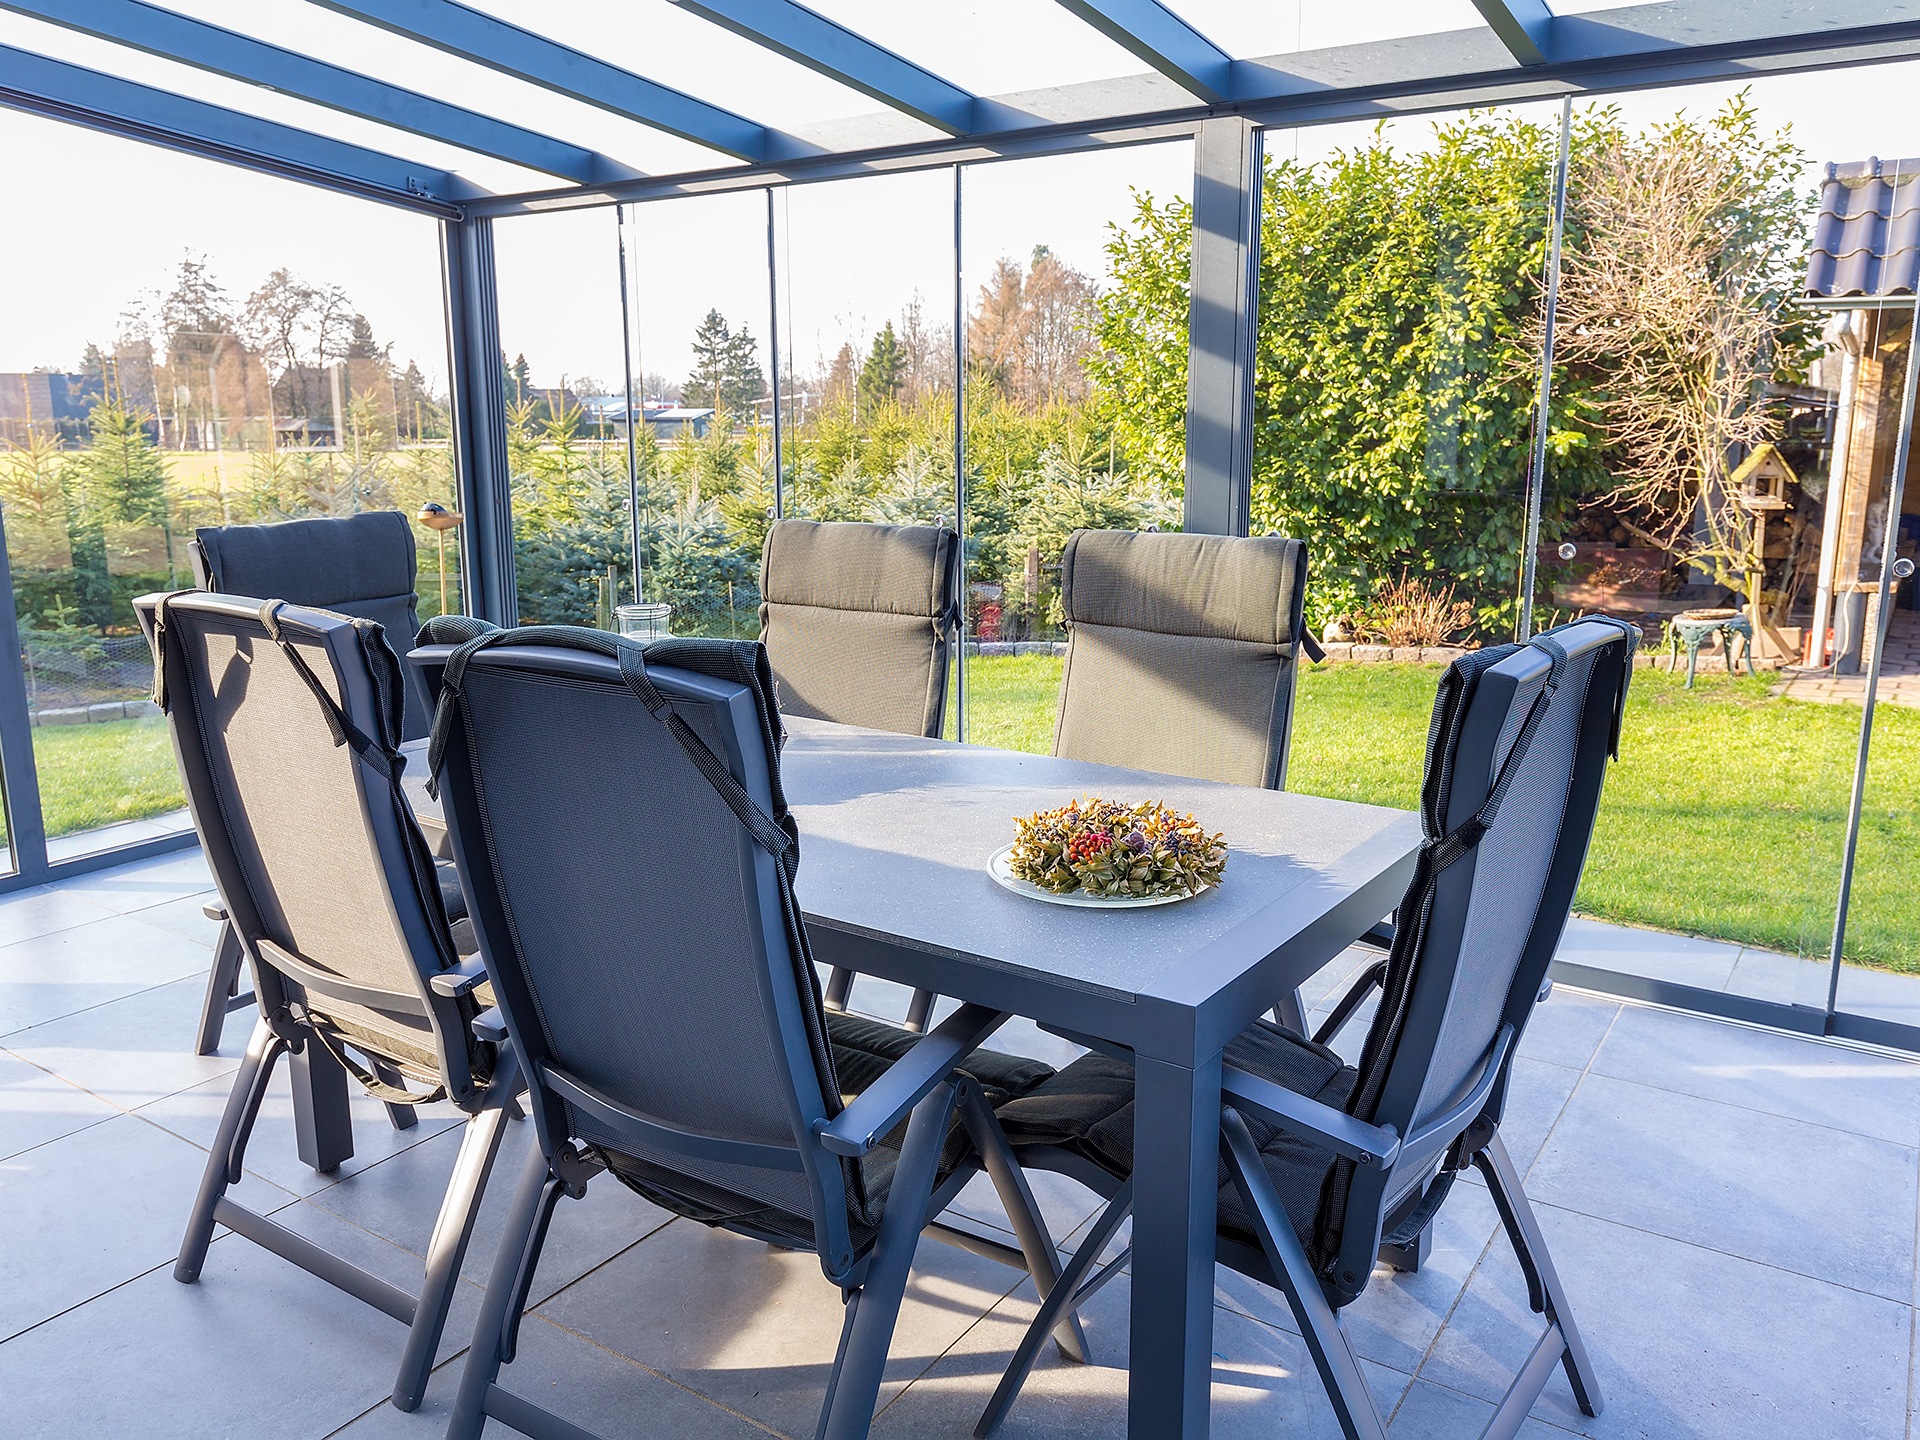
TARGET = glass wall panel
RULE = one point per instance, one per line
(1074, 273)
(699, 289)
(1747, 441)
(866, 301)
(1399, 330)
(564, 355)
(190, 345)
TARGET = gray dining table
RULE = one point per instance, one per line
(895, 837)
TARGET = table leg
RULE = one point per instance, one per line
(1292, 1012)
(322, 1123)
(1176, 1171)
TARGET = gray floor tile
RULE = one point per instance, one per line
(400, 1197)
(1804, 1198)
(36, 1107)
(1688, 1342)
(272, 1150)
(579, 1381)
(94, 1209)
(1802, 1079)
(127, 888)
(1568, 1028)
(1878, 993)
(133, 1050)
(756, 1328)
(1655, 954)
(256, 1348)
(1536, 1096)
(1428, 1412)
(28, 914)
(1397, 1316)
(1784, 979)
(71, 970)
(185, 916)
(1264, 1384)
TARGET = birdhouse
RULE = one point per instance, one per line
(1760, 484)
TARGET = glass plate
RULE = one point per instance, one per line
(1000, 867)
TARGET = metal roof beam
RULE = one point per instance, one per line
(1164, 41)
(523, 55)
(812, 40)
(173, 36)
(122, 107)
(1523, 26)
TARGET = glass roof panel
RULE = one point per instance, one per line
(1252, 31)
(355, 45)
(664, 43)
(991, 47)
(58, 43)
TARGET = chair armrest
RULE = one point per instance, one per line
(462, 979)
(1380, 937)
(214, 910)
(906, 1082)
(1373, 975)
(1360, 1142)
(491, 1026)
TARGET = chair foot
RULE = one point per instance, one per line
(452, 1232)
(229, 1148)
(1544, 1290)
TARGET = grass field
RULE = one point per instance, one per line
(92, 775)
(1725, 816)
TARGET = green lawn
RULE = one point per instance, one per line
(1725, 816)
(93, 775)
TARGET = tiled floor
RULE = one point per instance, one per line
(1733, 1211)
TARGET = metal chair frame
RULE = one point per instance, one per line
(480, 1075)
(1396, 1160)
(923, 1087)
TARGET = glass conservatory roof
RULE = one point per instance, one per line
(441, 104)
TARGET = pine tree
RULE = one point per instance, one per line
(885, 373)
(712, 342)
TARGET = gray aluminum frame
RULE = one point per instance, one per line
(1192, 89)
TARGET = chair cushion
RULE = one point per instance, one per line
(1087, 1109)
(855, 620)
(862, 1051)
(1181, 652)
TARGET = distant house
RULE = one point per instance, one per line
(678, 422)
(302, 433)
(46, 400)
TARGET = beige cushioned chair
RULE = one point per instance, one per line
(858, 621)
(1182, 652)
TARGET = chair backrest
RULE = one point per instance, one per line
(1181, 653)
(1518, 750)
(644, 946)
(360, 565)
(858, 619)
(287, 749)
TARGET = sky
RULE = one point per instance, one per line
(102, 220)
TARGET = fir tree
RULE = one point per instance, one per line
(885, 374)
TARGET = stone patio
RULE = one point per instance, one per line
(1734, 1211)
(1899, 672)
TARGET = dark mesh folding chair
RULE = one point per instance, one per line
(1181, 653)
(859, 623)
(619, 815)
(359, 565)
(286, 726)
(1323, 1162)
